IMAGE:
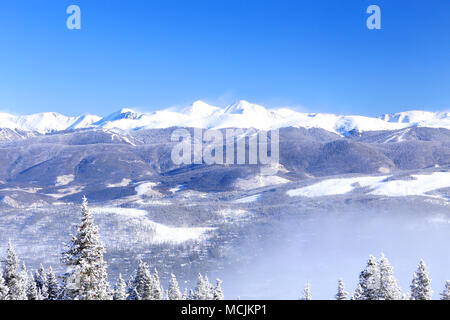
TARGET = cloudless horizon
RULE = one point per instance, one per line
(313, 56)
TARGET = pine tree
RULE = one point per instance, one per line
(358, 294)
(86, 276)
(341, 294)
(52, 286)
(389, 289)
(32, 291)
(41, 282)
(218, 293)
(306, 292)
(41, 277)
(158, 293)
(174, 290)
(421, 284)
(185, 294)
(3, 288)
(14, 278)
(369, 280)
(209, 289)
(120, 290)
(191, 295)
(445, 295)
(200, 290)
(140, 286)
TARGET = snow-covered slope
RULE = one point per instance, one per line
(241, 114)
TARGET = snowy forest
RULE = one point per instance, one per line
(86, 278)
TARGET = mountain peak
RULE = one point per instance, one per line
(200, 109)
(244, 107)
(124, 113)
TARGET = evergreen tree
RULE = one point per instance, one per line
(445, 295)
(52, 286)
(421, 284)
(140, 287)
(120, 290)
(306, 292)
(341, 294)
(358, 294)
(41, 277)
(218, 293)
(191, 295)
(86, 277)
(200, 290)
(389, 289)
(158, 292)
(209, 289)
(14, 278)
(3, 288)
(185, 294)
(369, 280)
(41, 282)
(32, 291)
(174, 290)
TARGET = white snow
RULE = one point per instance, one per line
(417, 185)
(248, 199)
(231, 214)
(125, 182)
(331, 187)
(162, 233)
(64, 180)
(259, 181)
(177, 188)
(146, 188)
(130, 212)
(241, 114)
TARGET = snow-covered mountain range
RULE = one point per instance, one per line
(241, 114)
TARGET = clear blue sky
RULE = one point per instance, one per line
(315, 55)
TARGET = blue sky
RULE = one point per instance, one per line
(317, 56)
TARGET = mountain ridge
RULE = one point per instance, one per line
(241, 114)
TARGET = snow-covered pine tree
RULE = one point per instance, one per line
(306, 292)
(445, 295)
(120, 290)
(358, 294)
(389, 289)
(421, 284)
(3, 288)
(14, 279)
(86, 276)
(158, 292)
(191, 295)
(140, 286)
(209, 289)
(200, 290)
(32, 291)
(369, 280)
(218, 293)
(53, 290)
(341, 294)
(174, 290)
(185, 294)
(41, 278)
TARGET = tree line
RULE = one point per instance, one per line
(86, 278)
(86, 275)
(377, 282)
